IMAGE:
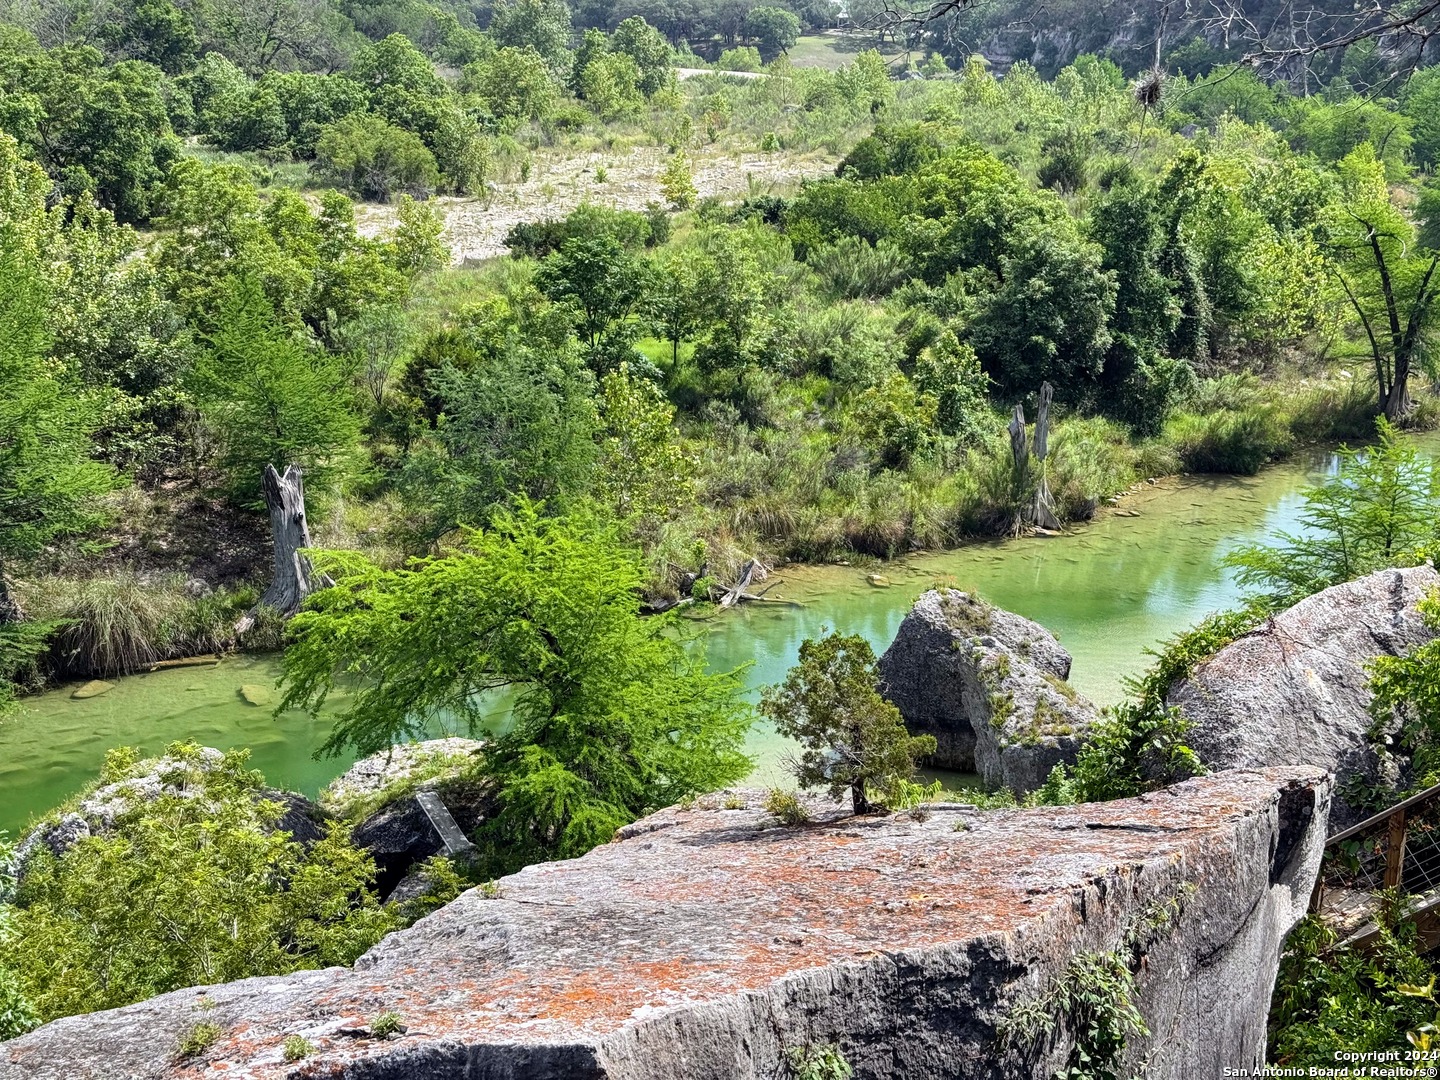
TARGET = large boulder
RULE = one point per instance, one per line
(394, 827)
(705, 944)
(1296, 690)
(400, 834)
(989, 685)
(370, 776)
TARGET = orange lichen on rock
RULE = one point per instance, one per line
(705, 942)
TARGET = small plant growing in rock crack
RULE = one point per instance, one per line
(733, 802)
(818, 1061)
(386, 1024)
(197, 1038)
(786, 807)
(297, 1048)
(1094, 999)
(490, 890)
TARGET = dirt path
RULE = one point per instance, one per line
(475, 229)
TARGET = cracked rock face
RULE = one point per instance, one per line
(703, 944)
(1295, 691)
(989, 685)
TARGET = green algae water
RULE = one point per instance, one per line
(1109, 590)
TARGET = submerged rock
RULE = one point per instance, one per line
(705, 944)
(255, 694)
(989, 685)
(93, 688)
(1295, 691)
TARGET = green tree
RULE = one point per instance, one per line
(374, 159)
(610, 714)
(194, 887)
(640, 41)
(643, 469)
(516, 419)
(1420, 101)
(49, 483)
(599, 277)
(676, 182)
(271, 400)
(773, 29)
(542, 25)
(850, 737)
(514, 83)
(610, 85)
(1379, 509)
(1392, 286)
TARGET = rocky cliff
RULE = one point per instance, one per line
(989, 685)
(1296, 690)
(707, 943)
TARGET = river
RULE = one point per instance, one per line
(1110, 590)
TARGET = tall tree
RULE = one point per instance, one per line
(609, 713)
(49, 484)
(271, 400)
(1393, 287)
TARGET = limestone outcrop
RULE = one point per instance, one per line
(1295, 691)
(705, 944)
(989, 685)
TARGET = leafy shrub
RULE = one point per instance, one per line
(742, 58)
(852, 268)
(193, 887)
(818, 1061)
(375, 159)
(197, 1038)
(786, 807)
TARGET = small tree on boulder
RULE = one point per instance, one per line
(850, 736)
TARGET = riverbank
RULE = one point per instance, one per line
(1109, 590)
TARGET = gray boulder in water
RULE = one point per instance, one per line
(1296, 690)
(989, 685)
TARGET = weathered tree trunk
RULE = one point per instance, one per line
(1043, 514)
(295, 578)
(747, 575)
(859, 803)
(1019, 449)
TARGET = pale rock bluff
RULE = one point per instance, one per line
(1296, 690)
(704, 943)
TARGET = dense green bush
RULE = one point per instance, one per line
(190, 888)
(375, 159)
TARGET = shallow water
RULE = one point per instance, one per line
(1110, 590)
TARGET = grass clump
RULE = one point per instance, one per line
(786, 807)
(297, 1048)
(198, 1038)
(388, 1023)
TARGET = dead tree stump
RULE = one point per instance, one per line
(295, 578)
(1043, 515)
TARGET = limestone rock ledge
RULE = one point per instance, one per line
(705, 942)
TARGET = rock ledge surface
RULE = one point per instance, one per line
(703, 943)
